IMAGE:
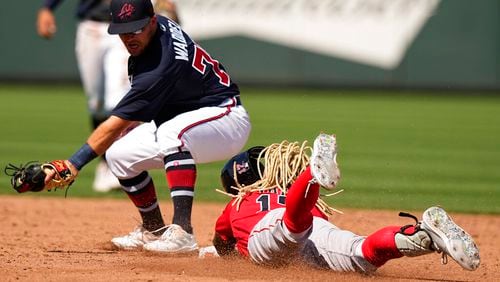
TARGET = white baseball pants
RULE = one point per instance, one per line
(324, 245)
(209, 134)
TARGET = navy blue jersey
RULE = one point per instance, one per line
(97, 10)
(173, 75)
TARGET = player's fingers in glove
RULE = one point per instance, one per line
(57, 171)
(50, 174)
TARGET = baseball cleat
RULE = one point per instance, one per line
(323, 162)
(173, 240)
(450, 239)
(134, 240)
(411, 240)
(414, 244)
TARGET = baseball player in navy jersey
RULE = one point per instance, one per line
(102, 63)
(277, 217)
(183, 109)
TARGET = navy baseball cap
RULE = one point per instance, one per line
(129, 15)
(247, 166)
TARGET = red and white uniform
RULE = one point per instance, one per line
(272, 231)
(253, 208)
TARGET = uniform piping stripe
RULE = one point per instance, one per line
(179, 162)
(181, 193)
(135, 188)
(150, 208)
(228, 110)
(278, 221)
(231, 102)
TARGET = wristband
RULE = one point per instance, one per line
(83, 156)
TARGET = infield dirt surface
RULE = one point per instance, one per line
(55, 239)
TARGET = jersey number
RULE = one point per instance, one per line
(200, 61)
(264, 201)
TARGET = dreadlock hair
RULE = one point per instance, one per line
(283, 163)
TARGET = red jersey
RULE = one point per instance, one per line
(254, 206)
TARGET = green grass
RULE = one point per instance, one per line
(398, 150)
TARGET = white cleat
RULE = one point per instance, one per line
(415, 244)
(173, 240)
(324, 166)
(450, 239)
(104, 180)
(135, 240)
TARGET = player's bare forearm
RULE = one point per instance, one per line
(224, 247)
(104, 135)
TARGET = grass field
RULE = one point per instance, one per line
(398, 150)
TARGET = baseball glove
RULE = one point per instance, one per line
(31, 176)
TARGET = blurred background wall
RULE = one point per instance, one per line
(447, 44)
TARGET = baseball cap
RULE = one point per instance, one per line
(129, 15)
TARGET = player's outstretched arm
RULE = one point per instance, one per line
(98, 142)
(35, 176)
(107, 132)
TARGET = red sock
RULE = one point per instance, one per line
(144, 197)
(380, 246)
(181, 174)
(180, 171)
(298, 217)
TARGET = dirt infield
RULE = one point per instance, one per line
(54, 239)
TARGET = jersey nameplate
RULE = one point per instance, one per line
(180, 46)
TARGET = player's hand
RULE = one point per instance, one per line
(53, 173)
(46, 23)
(209, 251)
(35, 176)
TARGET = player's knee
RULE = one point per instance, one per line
(116, 159)
(115, 153)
